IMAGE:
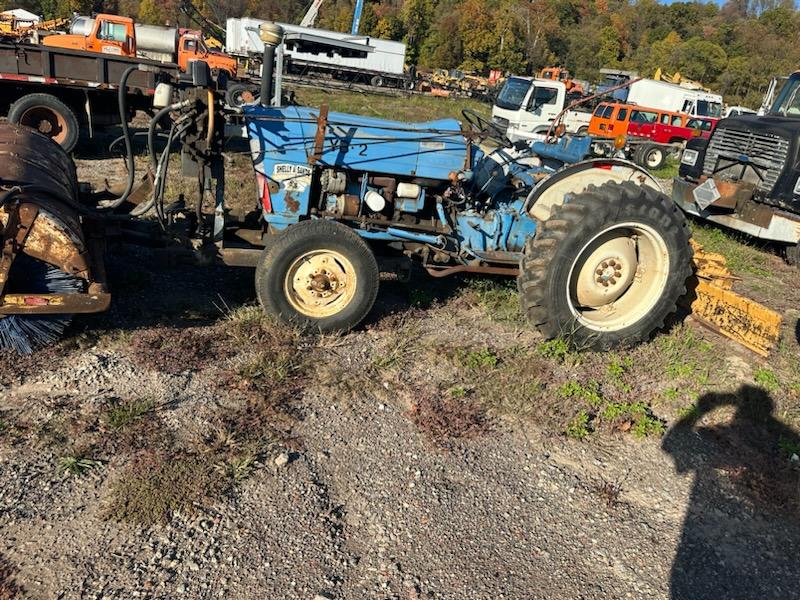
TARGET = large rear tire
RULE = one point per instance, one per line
(607, 268)
(47, 115)
(320, 275)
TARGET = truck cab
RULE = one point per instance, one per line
(526, 108)
(110, 34)
(746, 176)
(192, 46)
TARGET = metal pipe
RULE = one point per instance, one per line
(445, 271)
(272, 36)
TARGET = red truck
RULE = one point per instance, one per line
(669, 128)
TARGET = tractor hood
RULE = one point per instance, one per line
(281, 135)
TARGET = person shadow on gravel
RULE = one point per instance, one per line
(741, 533)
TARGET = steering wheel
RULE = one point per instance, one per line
(486, 128)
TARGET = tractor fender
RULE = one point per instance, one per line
(575, 178)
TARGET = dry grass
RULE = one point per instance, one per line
(156, 485)
(444, 419)
(172, 350)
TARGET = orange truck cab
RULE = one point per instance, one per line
(192, 46)
(610, 119)
(112, 34)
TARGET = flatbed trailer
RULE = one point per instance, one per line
(68, 94)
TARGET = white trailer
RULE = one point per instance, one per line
(526, 108)
(676, 98)
(381, 64)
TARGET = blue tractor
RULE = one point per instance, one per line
(601, 255)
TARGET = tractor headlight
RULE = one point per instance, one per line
(689, 157)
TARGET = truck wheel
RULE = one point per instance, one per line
(607, 268)
(376, 81)
(650, 156)
(48, 115)
(318, 274)
(583, 130)
(239, 94)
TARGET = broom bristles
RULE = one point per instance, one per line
(25, 333)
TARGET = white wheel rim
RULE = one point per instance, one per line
(653, 158)
(618, 277)
(320, 283)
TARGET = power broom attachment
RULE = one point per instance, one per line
(47, 271)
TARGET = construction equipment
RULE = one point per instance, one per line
(680, 80)
(601, 255)
(562, 75)
(311, 15)
(25, 31)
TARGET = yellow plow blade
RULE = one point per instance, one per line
(716, 305)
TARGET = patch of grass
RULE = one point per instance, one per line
(668, 170)
(76, 465)
(578, 427)
(399, 108)
(125, 414)
(671, 394)
(154, 486)
(458, 392)
(498, 297)
(647, 425)
(767, 379)
(590, 392)
(557, 349)
(689, 412)
(477, 359)
(742, 256)
(616, 369)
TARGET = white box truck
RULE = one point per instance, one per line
(526, 108)
(673, 97)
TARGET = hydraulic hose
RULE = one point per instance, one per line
(151, 130)
(122, 103)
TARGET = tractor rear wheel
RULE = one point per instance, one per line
(318, 274)
(607, 268)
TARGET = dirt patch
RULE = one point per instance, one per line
(172, 350)
(444, 420)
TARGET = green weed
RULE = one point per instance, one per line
(767, 379)
(589, 392)
(789, 446)
(741, 255)
(557, 348)
(76, 465)
(124, 414)
(478, 359)
(458, 392)
(646, 425)
(578, 427)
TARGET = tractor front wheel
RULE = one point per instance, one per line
(607, 268)
(318, 274)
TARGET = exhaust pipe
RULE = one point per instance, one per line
(272, 35)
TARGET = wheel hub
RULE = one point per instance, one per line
(320, 283)
(607, 272)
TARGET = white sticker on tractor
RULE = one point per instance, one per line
(293, 177)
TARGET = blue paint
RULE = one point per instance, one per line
(479, 211)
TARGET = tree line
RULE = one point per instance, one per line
(734, 48)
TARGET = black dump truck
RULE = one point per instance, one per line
(746, 176)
